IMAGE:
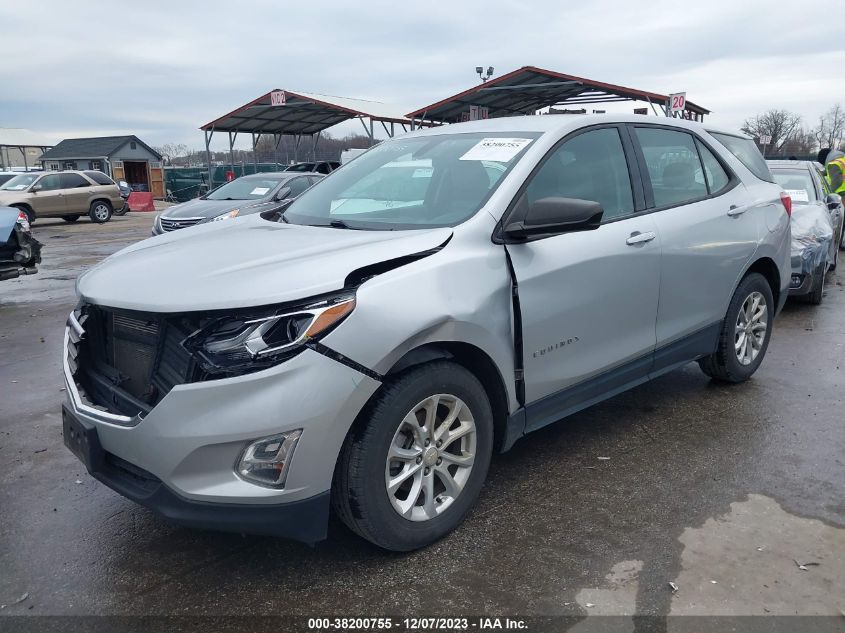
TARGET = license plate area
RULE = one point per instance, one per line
(82, 440)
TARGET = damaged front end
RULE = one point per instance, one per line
(20, 252)
(812, 234)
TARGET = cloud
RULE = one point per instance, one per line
(162, 69)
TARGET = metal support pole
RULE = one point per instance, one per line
(296, 148)
(232, 151)
(372, 133)
(208, 135)
(255, 150)
(278, 139)
(23, 153)
(314, 148)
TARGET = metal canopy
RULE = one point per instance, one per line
(301, 114)
(528, 89)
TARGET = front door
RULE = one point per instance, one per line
(49, 197)
(709, 231)
(588, 299)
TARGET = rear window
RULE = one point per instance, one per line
(747, 153)
(99, 177)
(798, 183)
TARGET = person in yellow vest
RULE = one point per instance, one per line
(834, 165)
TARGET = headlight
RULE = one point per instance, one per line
(226, 216)
(256, 340)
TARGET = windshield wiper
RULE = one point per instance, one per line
(340, 224)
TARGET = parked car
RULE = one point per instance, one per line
(19, 251)
(6, 176)
(321, 167)
(61, 194)
(242, 196)
(817, 225)
(250, 376)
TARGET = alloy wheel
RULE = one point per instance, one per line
(430, 457)
(751, 326)
(101, 212)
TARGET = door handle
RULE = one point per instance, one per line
(734, 211)
(640, 238)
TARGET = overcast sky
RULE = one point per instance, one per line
(162, 69)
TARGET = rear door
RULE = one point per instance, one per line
(77, 193)
(588, 299)
(49, 200)
(708, 231)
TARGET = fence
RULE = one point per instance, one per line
(186, 183)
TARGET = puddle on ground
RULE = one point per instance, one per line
(744, 562)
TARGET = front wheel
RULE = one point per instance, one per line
(409, 473)
(745, 333)
(122, 210)
(100, 211)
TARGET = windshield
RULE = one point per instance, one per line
(19, 183)
(244, 189)
(412, 183)
(797, 183)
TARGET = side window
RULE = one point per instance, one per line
(72, 181)
(823, 180)
(717, 177)
(674, 168)
(297, 186)
(591, 166)
(51, 182)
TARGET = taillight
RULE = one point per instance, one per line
(23, 220)
(787, 203)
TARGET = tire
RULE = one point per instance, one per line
(360, 494)
(70, 218)
(100, 211)
(724, 364)
(835, 259)
(122, 210)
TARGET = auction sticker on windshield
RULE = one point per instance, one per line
(500, 150)
(259, 191)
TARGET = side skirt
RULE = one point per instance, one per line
(566, 402)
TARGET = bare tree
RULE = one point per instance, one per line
(781, 125)
(801, 144)
(831, 129)
(172, 151)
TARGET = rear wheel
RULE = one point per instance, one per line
(70, 218)
(745, 332)
(410, 473)
(100, 211)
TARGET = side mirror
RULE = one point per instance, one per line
(283, 194)
(833, 200)
(552, 216)
(36, 188)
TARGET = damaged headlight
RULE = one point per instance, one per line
(255, 340)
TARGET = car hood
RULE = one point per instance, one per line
(7, 196)
(199, 208)
(242, 263)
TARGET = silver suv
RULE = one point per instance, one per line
(436, 299)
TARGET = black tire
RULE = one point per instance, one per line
(70, 218)
(100, 211)
(835, 260)
(122, 210)
(723, 364)
(359, 495)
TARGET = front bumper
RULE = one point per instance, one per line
(304, 520)
(187, 447)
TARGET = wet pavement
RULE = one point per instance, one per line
(721, 490)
